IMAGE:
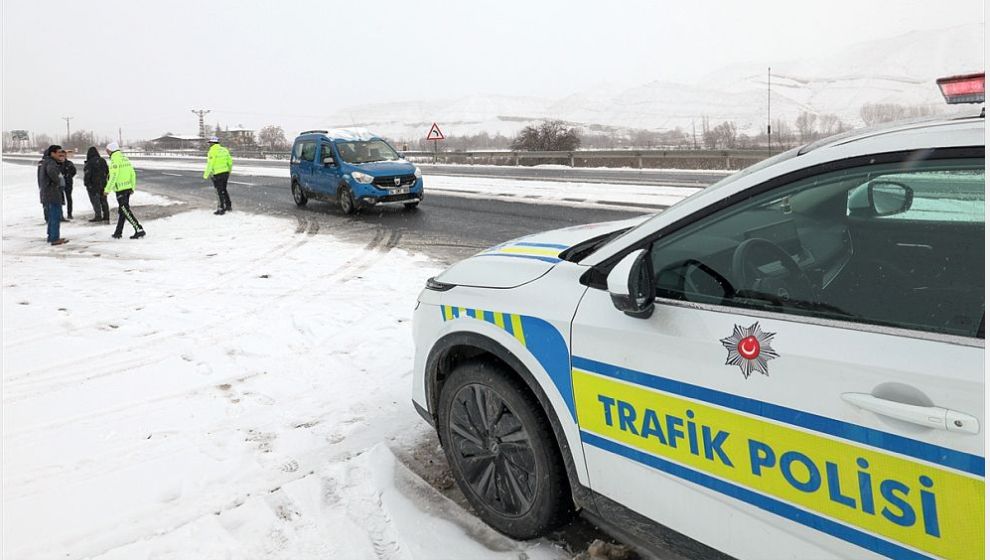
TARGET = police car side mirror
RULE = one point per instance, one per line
(632, 285)
(889, 197)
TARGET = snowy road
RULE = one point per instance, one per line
(214, 391)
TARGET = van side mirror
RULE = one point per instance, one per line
(887, 197)
(632, 285)
(328, 161)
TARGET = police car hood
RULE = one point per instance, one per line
(525, 259)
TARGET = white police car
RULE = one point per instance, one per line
(788, 364)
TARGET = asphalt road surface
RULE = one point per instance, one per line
(619, 175)
(445, 227)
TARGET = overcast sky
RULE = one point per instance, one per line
(142, 66)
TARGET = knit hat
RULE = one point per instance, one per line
(113, 147)
(214, 140)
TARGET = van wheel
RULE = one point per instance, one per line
(298, 195)
(502, 451)
(346, 200)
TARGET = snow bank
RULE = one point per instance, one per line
(219, 389)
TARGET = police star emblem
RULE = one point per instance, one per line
(749, 348)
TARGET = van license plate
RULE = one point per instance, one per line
(402, 190)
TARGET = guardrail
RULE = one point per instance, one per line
(727, 159)
(640, 159)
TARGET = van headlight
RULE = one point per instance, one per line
(362, 178)
(417, 173)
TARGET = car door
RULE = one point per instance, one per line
(824, 407)
(326, 172)
(306, 158)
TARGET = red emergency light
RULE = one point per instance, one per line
(969, 88)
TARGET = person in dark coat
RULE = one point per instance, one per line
(95, 173)
(68, 171)
(51, 184)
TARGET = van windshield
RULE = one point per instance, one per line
(366, 151)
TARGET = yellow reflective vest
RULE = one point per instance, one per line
(217, 161)
(122, 176)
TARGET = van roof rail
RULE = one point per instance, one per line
(313, 132)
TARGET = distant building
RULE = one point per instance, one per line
(170, 141)
(239, 137)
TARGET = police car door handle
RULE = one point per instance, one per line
(928, 416)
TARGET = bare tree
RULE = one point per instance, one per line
(81, 140)
(805, 124)
(876, 113)
(783, 137)
(644, 138)
(830, 124)
(548, 136)
(42, 141)
(706, 134)
(725, 135)
(272, 137)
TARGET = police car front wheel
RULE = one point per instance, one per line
(502, 451)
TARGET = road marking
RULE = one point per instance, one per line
(171, 174)
(240, 183)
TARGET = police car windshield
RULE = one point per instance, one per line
(789, 154)
(366, 151)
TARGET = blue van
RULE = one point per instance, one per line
(353, 168)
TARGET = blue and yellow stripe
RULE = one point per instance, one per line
(546, 252)
(539, 337)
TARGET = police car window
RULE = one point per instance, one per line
(942, 195)
(816, 248)
(309, 151)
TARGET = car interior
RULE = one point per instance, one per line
(887, 246)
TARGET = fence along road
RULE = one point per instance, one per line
(459, 165)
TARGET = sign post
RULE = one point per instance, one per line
(435, 135)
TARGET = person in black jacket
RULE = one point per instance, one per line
(95, 173)
(51, 184)
(68, 171)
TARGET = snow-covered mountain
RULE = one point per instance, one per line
(899, 70)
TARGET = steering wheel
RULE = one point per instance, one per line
(751, 254)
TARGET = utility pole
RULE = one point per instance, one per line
(120, 137)
(202, 126)
(768, 112)
(67, 134)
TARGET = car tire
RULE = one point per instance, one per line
(298, 195)
(502, 453)
(411, 205)
(345, 198)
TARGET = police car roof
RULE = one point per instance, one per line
(886, 129)
(345, 134)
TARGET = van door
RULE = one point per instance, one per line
(304, 156)
(326, 172)
(790, 396)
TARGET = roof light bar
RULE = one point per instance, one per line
(968, 88)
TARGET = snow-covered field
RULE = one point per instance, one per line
(228, 388)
